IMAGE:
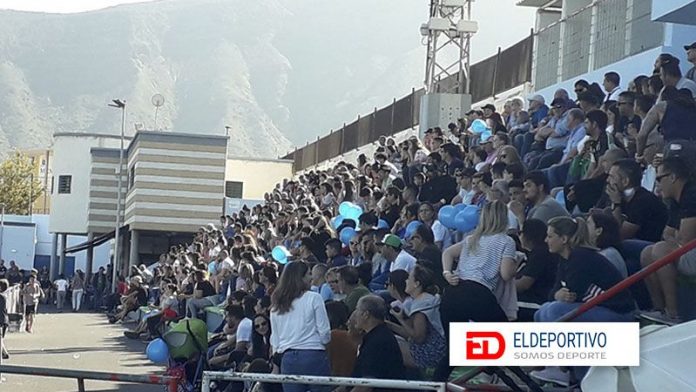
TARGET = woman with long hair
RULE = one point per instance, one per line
(484, 258)
(583, 273)
(261, 338)
(77, 285)
(420, 323)
(300, 327)
(605, 234)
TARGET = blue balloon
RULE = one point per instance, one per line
(560, 198)
(280, 254)
(382, 224)
(354, 212)
(478, 126)
(412, 227)
(460, 207)
(347, 234)
(468, 219)
(344, 207)
(158, 352)
(446, 216)
(337, 221)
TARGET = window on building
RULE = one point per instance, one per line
(131, 177)
(234, 189)
(53, 180)
(64, 184)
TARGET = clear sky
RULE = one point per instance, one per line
(63, 6)
(501, 23)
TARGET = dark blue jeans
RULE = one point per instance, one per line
(306, 363)
(552, 311)
(631, 251)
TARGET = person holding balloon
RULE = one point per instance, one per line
(484, 258)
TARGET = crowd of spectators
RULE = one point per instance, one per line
(573, 197)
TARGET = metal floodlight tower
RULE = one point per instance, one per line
(448, 31)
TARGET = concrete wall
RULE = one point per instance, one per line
(258, 175)
(31, 244)
(71, 154)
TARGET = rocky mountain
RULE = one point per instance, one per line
(278, 72)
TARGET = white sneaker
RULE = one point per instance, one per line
(660, 317)
(552, 374)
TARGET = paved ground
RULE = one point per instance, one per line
(76, 341)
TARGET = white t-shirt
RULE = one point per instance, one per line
(441, 234)
(404, 261)
(483, 264)
(62, 284)
(687, 84)
(304, 327)
(244, 330)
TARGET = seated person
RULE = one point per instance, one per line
(204, 295)
(678, 188)
(133, 300)
(583, 274)
(233, 343)
(537, 273)
(419, 324)
(152, 321)
(379, 356)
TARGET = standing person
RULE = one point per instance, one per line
(61, 286)
(485, 257)
(4, 320)
(78, 290)
(31, 293)
(300, 327)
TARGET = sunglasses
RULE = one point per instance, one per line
(355, 243)
(333, 281)
(262, 324)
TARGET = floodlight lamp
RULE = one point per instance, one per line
(439, 24)
(467, 26)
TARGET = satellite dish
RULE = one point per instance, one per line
(158, 100)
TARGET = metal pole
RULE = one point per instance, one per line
(31, 194)
(117, 237)
(2, 227)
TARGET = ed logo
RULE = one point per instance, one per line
(478, 345)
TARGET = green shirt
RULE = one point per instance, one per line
(352, 299)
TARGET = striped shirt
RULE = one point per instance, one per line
(483, 265)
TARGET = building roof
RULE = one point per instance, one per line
(541, 3)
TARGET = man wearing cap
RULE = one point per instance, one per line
(391, 249)
(488, 110)
(691, 57)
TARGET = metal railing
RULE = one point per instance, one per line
(572, 315)
(82, 375)
(316, 380)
